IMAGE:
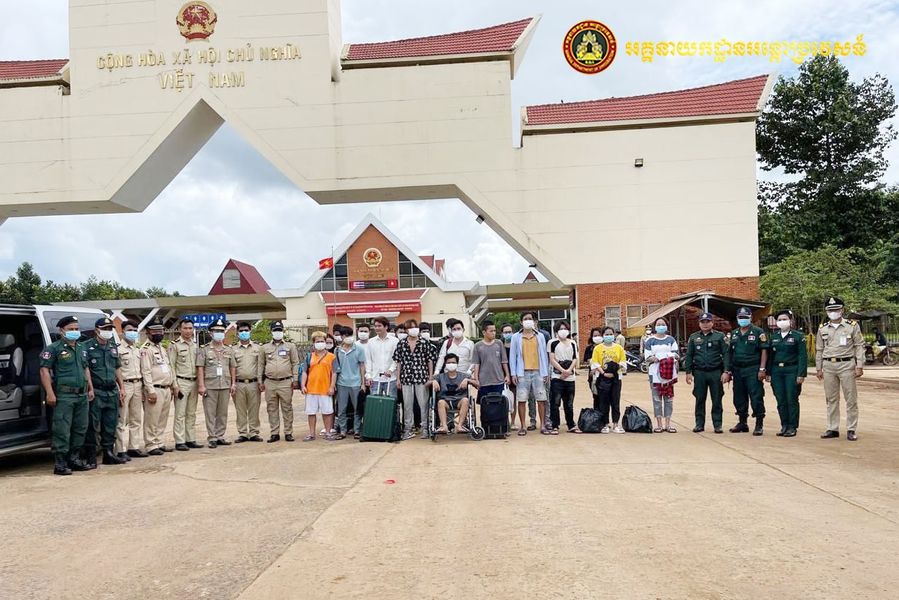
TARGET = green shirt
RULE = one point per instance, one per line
(67, 363)
(707, 351)
(102, 360)
(788, 351)
(746, 348)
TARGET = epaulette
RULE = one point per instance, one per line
(849, 321)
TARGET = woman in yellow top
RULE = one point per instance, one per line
(608, 362)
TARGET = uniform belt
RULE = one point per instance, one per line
(279, 378)
(106, 387)
(133, 380)
(747, 365)
(718, 368)
(839, 359)
(187, 378)
(254, 380)
(162, 387)
(67, 389)
(787, 364)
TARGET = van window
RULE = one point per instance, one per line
(85, 321)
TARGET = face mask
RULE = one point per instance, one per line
(244, 336)
(597, 339)
(661, 329)
(218, 336)
(329, 346)
(507, 337)
(784, 324)
(106, 335)
(277, 335)
(451, 367)
(413, 331)
(402, 336)
(425, 335)
(319, 346)
(527, 324)
(338, 338)
(563, 333)
(348, 340)
(834, 315)
(743, 322)
(363, 335)
(72, 336)
(458, 333)
(132, 335)
(608, 339)
(156, 338)
(391, 334)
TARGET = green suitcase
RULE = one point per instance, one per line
(381, 422)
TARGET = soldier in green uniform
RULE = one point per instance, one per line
(748, 357)
(787, 369)
(106, 375)
(707, 365)
(67, 384)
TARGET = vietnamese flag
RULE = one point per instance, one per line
(326, 263)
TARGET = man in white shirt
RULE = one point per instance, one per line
(380, 368)
(457, 344)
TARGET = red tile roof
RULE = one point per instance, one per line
(30, 69)
(498, 38)
(428, 259)
(732, 97)
(251, 282)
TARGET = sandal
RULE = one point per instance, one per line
(554, 432)
(441, 430)
(657, 430)
(522, 432)
(574, 430)
(671, 429)
(309, 438)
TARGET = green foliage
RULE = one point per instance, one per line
(261, 332)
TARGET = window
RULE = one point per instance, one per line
(436, 330)
(634, 314)
(411, 276)
(650, 308)
(85, 323)
(613, 317)
(231, 279)
(336, 275)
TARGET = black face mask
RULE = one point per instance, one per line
(156, 337)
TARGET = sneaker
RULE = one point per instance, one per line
(408, 435)
(619, 429)
(605, 429)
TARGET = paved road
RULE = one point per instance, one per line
(618, 516)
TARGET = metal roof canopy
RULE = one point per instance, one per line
(707, 300)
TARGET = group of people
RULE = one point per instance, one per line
(117, 397)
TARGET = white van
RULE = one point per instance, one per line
(24, 332)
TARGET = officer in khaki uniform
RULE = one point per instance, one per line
(216, 370)
(839, 356)
(159, 386)
(128, 433)
(67, 384)
(279, 370)
(183, 357)
(247, 353)
(106, 376)
(707, 365)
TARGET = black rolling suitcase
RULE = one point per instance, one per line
(495, 416)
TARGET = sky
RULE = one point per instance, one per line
(229, 202)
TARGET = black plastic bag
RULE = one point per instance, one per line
(589, 421)
(636, 420)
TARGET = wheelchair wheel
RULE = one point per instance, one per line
(478, 433)
(432, 417)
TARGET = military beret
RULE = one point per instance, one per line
(218, 324)
(833, 303)
(706, 316)
(104, 322)
(156, 324)
(744, 312)
(276, 326)
(67, 320)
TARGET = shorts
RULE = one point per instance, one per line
(316, 403)
(530, 383)
(452, 402)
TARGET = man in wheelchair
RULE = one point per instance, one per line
(451, 388)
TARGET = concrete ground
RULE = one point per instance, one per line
(575, 516)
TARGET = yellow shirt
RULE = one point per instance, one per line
(603, 354)
(529, 353)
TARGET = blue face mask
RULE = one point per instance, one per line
(218, 336)
(608, 338)
(507, 336)
(661, 329)
(244, 336)
(73, 336)
(132, 335)
(743, 322)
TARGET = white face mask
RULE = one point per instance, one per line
(451, 367)
(106, 334)
(597, 339)
(834, 315)
(348, 340)
(527, 324)
(784, 324)
(402, 336)
(458, 333)
(329, 345)
(563, 333)
(425, 335)
(413, 331)
(338, 338)
(277, 335)
(363, 335)
(319, 346)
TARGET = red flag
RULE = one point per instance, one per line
(326, 263)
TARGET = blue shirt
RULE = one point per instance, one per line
(516, 361)
(346, 364)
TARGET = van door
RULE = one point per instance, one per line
(23, 418)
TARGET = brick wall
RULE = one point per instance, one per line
(356, 267)
(593, 298)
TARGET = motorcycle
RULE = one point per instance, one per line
(635, 362)
(885, 355)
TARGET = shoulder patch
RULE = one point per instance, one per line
(763, 337)
(46, 355)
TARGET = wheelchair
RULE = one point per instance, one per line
(475, 431)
